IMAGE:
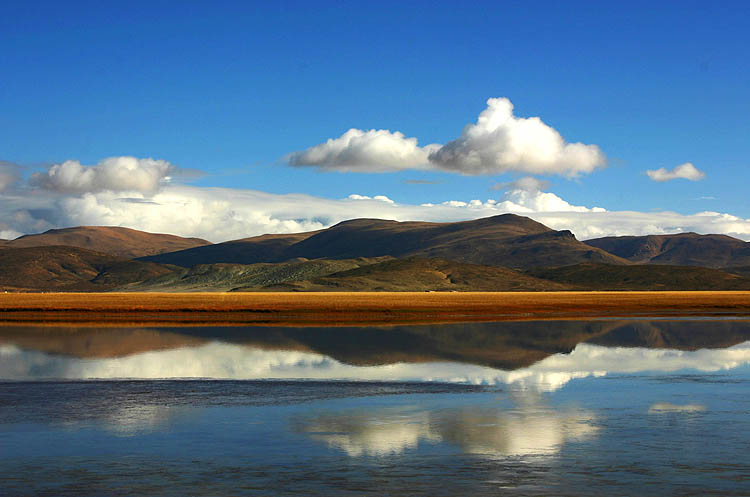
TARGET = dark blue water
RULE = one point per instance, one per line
(659, 421)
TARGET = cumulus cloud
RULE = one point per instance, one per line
(366, 151)
(498, 142)
(527, 195)
(116, 174)
(683, 171)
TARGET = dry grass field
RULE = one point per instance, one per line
(118, 309)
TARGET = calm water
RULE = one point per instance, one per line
(536, 408)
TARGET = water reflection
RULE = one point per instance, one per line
(132, 420)
(380, 433)
(668, 407)
(523, 432)
(529, 355)
(527, 429)
(229, 361)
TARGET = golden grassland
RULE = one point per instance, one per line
(343, 308)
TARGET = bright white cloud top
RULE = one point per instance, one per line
(501, 142)
(117, 174)
(683, 171)
(497, 143)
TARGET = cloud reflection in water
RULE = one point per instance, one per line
(231, 361)
(528, 429)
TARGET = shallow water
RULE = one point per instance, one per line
(588, 408)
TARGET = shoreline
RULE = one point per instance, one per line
(360, 308)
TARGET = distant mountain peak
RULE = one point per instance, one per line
(114, 240)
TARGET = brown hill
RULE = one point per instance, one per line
(63, 268)
(418, 274)
(683, 249)
(121, 242)
(642, 277)
(506, 240)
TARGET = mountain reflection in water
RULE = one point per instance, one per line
(541, 355)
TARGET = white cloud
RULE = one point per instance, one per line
(500, 142)
(684, 171)
(497, 143)
(9, 234)
(526, 195)
(117, 174)
(536, 201)
(365, 151)
(379, 198)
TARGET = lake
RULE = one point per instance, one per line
(597, 407)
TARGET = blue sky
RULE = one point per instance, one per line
(231, 88)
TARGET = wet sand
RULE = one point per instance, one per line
(185, 309)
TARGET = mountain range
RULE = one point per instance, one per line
(500, 253)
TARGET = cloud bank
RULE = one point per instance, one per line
(116, 174)
(220, 214)
(138, 193)
(498, 142)
(683, 171)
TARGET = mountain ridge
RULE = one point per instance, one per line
(507, 240)
(114, 240)
(683, 249)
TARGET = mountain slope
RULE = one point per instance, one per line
(506, 240)
(642, 277)
(264, 248)
(683, 249)
(226, 277)
(61, 268)
(418, 274)
(120, 242)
